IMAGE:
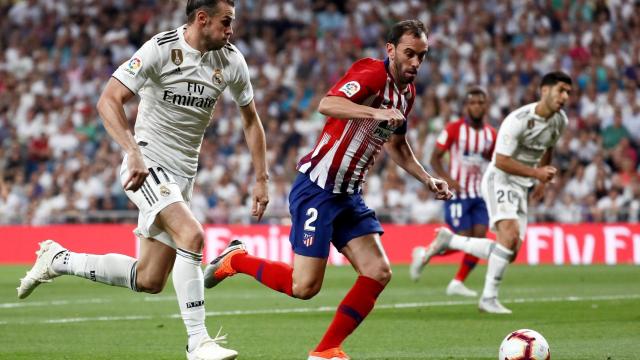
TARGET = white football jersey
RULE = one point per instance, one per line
(179, 88)
(525, 136)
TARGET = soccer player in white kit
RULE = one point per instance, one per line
(522, 155)
(179, 75)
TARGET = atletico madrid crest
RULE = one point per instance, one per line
(308, 239)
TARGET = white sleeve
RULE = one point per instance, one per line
(509, 135)
(144, 64)
(564, 123)
(240, 84)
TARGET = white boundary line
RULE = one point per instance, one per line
(322, 309)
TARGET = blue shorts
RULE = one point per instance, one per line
(463, 214)
(319, 217)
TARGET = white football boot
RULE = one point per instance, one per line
(415, 269)
(41, 271)
(210, 349)
(438, 245)
(456, 287)
(492, 305)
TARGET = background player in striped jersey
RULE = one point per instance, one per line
(522, 155)
(365, 110)
(469, 142)
(179, 75)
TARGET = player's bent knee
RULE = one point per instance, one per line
(514, 238)
(305, 291)
(193, 240)
(381, 274)
(150, 285)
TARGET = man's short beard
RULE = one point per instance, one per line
(476, 120)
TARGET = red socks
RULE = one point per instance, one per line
(355, 306)
(276, 275)
(467, 264)
(351, 311)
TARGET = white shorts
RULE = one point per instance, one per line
(505, 200)
(160, 189)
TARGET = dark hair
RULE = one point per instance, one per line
(414, 27)
(475, 90)
(555, 77)
(209, 5)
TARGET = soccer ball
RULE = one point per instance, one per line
(524, 344)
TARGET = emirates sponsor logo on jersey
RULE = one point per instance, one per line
(351, 88)
(195, 97)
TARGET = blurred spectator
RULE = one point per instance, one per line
(579, 186)
(611, 205)
(615, 132)
(58, 164)
(424, 209)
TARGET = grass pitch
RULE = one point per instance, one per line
(585, 312)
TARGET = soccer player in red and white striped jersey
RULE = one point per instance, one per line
(365, 110)
(347, 146)
(470, 143)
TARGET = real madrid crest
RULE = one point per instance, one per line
(217, 76)
(530, 124)
(164, 190)
(176, 56)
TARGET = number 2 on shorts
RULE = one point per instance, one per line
(313, 215)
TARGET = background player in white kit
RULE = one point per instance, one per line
(470, 143)
(179, 75)
(522, 155)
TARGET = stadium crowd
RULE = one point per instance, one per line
(58, 164)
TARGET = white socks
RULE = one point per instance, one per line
(188, 282)
(478, 247)
(111, 269)
(497, 264)
(120, 270)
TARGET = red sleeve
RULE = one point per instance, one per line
(366, 77)
(448, 135)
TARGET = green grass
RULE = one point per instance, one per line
(584, 312)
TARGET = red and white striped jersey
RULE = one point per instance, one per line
(470, 152)
(346, 148)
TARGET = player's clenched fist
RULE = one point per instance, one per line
(440, 188)
(137, 172)
(260, 199)
(545, 173)
(393, 117)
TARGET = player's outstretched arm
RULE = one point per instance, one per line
(256, 142)
(400, 151)
(111, 108)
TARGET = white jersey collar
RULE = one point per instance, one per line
(184, 42)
